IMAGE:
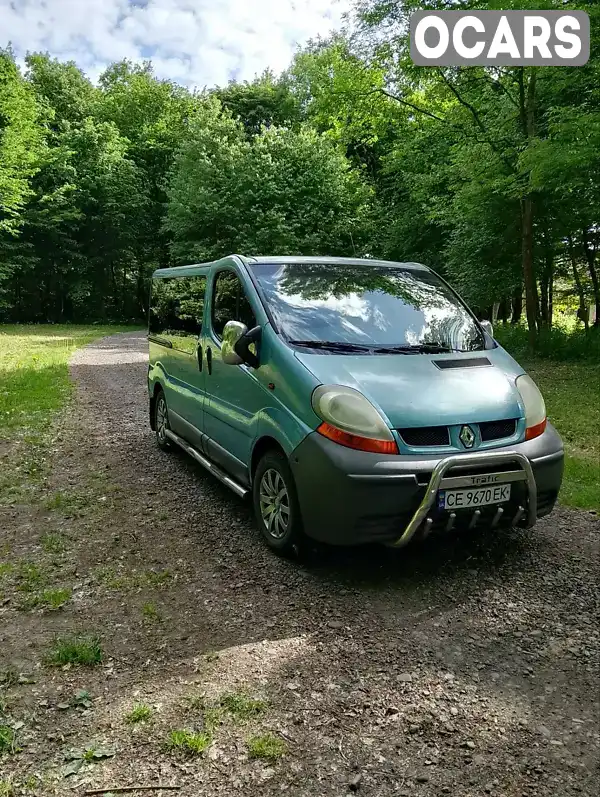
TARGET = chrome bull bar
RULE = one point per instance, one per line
(437, 482)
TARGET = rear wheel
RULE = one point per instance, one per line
(161, 421)
(276, 504)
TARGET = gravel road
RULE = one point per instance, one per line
(466, 666)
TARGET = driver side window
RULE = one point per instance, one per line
(230, 303)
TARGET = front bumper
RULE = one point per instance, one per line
(351, 497)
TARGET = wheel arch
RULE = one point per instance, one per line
(262, 445)
(156, 390)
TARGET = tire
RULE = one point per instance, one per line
(274, 486)
(161, 421)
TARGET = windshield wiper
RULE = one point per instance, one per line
(417, 348)
(331, 345)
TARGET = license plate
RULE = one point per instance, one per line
(464, 499)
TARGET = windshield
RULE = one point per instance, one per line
(371, 306)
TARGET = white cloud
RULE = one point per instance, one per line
(195, 42)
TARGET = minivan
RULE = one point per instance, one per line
(355, 400)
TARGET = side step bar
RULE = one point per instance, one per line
(206, 463)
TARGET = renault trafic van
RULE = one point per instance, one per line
(356, 401)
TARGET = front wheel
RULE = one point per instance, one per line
(161, 421)
(276, 504)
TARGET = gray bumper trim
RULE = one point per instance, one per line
(494, 458)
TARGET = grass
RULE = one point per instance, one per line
(268, 746)
(139, 713)
(567, 371)
(7, 789)
(240, 706)
(188, 742)
(8, 739)
(69, 503)
(151, 613)
(30, 576)
(52, 599)
(108, 576)
(53, 543)
(572, 395)
(34, 385)
(79, 650)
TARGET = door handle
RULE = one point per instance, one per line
(209, 359)
(199, 356)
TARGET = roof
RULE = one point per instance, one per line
(341, 261)
(299, 259)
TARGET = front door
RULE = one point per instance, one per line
(234, 395)
(182, 301)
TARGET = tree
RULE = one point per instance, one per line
(266, 101)
(21, 142)
(281, 191)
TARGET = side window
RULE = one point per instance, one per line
(230, 303)
(176, 309)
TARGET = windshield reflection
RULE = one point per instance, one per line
(372, 305)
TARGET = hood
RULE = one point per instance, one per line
(412, 391)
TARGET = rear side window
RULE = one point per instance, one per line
(176, 310)
(230, 303)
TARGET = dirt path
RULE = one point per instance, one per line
(466, 667)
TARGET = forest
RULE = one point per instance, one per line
(489, 175)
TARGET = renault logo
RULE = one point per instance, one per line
(467, 436)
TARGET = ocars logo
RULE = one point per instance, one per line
(499, 38)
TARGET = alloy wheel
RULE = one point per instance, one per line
(274, 503)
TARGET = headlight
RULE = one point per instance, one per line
(351, 420)
(535, 409)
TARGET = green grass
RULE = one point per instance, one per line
(52, 542)
(52, 599)
(566, 368)
(267, 746)
(30, 576)
(139, 713)
(34, 385)
(151, 613)
(572, 395)
(240, 706)
(8, 739)
(80, 650)
(188, 742)
(108, 576)
(7, 789)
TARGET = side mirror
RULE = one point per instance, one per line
(235, 348)
(487, 327)
(232, 332)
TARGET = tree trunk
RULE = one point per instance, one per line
(527, 114)
(590, 256)
(503, 311)
(517, 305)
(544, 301)
(582, 313)
(531, 294)
(547, 279)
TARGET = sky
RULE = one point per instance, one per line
(194, 42)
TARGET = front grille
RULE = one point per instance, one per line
(496, 430)
(426, 436)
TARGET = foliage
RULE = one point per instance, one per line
(188, 742)
(267, 746)
(491, 176)
(283, 191)
(139, 713)
(79, 649)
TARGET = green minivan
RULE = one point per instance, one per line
(356, 401)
